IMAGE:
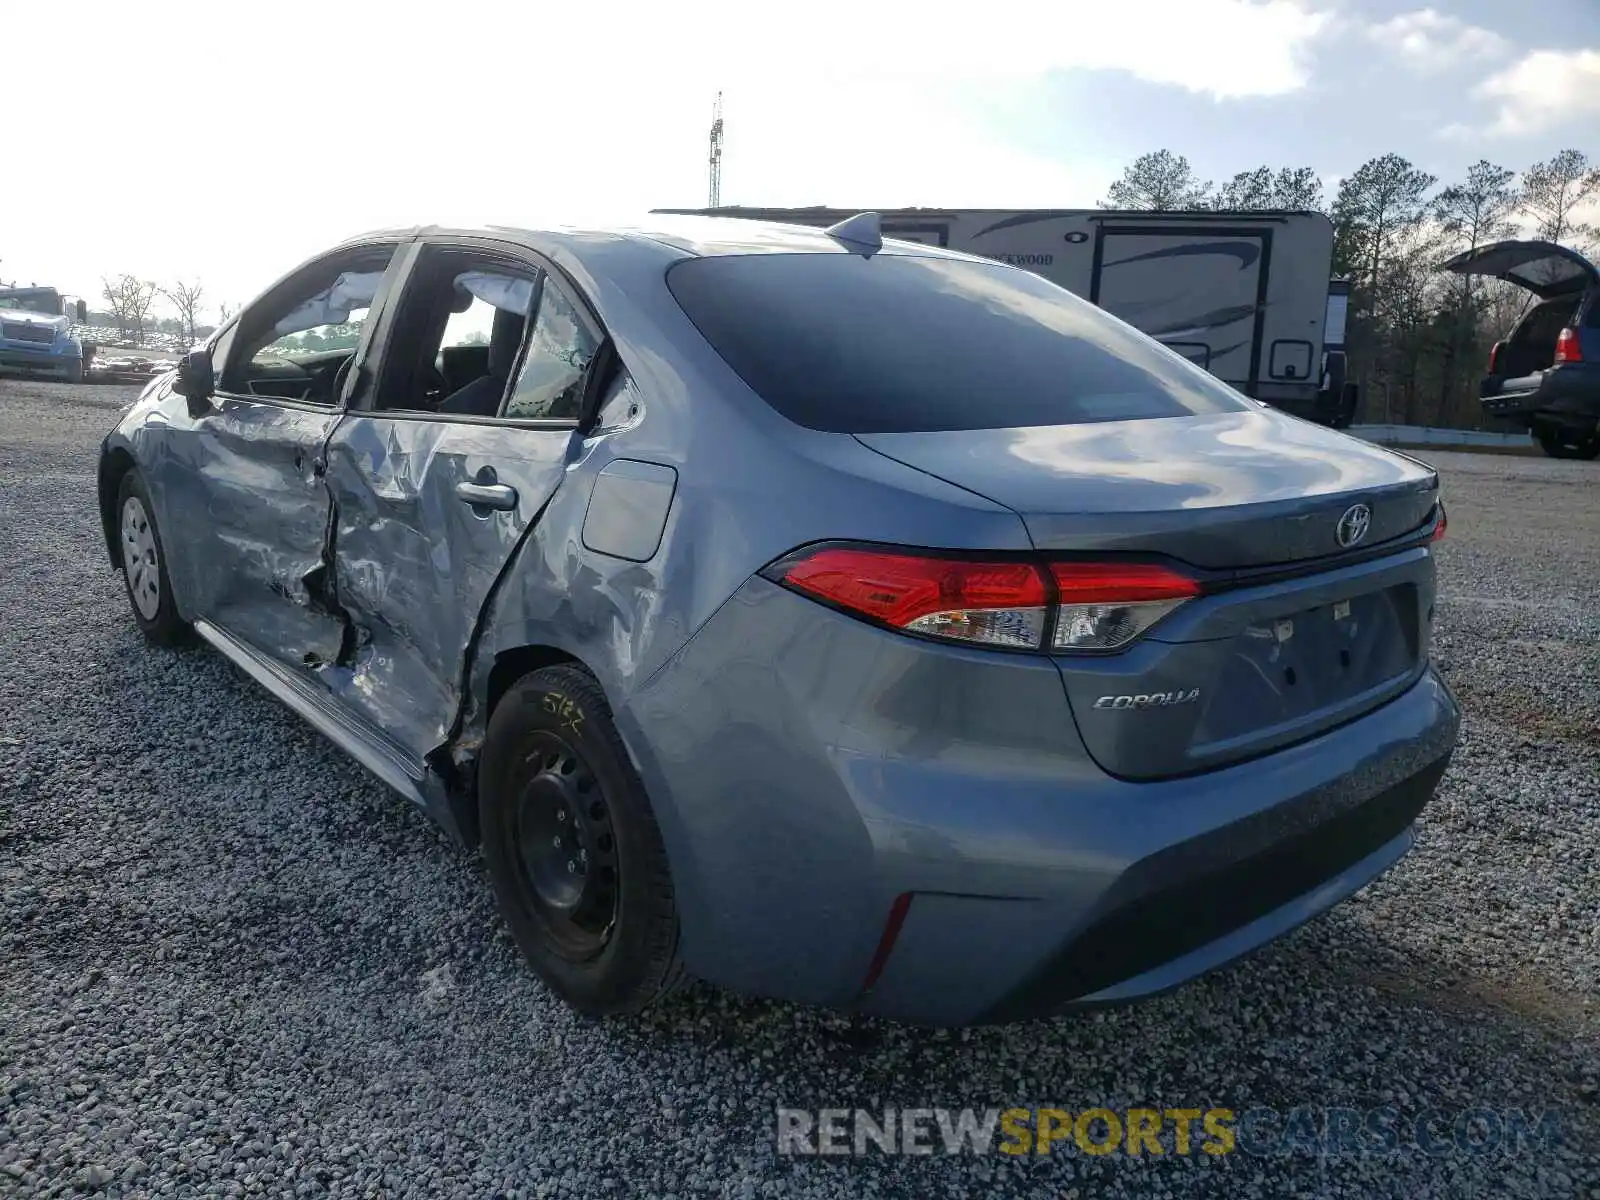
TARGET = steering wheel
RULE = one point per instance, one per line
(434, 385)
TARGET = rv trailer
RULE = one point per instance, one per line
(1242, 294)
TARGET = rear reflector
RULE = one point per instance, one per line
(1097, 606)
(1106, 606)
(1567, 348)
(891, 933)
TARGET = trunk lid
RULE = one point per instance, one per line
(1544, 268)
(1294, 633)
(1220, 491)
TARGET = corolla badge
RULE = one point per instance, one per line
(1150, 700)
(1353, 525)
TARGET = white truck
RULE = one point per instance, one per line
(1243, 294)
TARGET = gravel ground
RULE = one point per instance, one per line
(231, 962)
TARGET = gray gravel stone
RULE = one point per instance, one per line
(232, 963)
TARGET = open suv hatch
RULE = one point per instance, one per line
(1545, 375)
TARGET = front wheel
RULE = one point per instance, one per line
(144, 564)
(573, 848)
(1571, 445)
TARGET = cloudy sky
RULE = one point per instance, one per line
(177, 139)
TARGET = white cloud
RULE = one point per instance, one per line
(1221, 48)
(227, 141)
(1433, 41)
(1543, 88)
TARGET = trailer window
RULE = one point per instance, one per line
(902, 343)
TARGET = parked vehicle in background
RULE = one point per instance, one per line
(1242, 294)
(999, 662)
(36, 333)
(1544, 376)
(127, 368)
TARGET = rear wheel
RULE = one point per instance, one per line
(573, 849)
(144, 564)
(1561, 444)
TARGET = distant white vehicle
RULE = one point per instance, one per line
(1243, 294)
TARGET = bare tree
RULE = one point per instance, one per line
(1552, 190)
(1469, 214)
(1158, 182)
(1478, 210)
(130, 300)
(116, 304)
(185, 298)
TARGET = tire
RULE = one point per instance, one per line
(573, 849)
(144, 576)
(75, 372)
(1571, 445)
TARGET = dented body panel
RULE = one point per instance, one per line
(253, 506)
(414, 564)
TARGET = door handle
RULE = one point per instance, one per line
(487, 495)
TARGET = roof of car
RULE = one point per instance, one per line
(695, 236)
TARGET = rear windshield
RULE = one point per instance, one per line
(896, 344)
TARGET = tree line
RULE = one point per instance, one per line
(1418, 337)
(130, 302)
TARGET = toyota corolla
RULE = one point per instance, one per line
(825, 617)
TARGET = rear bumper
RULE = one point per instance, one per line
(802, 788)
(1566, 395)
(39, 362)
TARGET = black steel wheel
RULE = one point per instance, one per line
(566, 852)
(573, 848)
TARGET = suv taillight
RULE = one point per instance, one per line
(1007, 604)
(1494, 358)
(1567, 348)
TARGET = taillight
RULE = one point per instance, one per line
(1096, 606)
(1438, 530)
(1494, 357)
(1105, 606)
(993, 603)
(1567, 348)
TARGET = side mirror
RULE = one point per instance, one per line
(80, 310)
(194, 382)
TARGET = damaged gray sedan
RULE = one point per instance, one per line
(826, 617)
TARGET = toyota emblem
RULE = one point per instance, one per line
(1353, 525)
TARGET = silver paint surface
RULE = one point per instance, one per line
(805, 767)
(628, 509)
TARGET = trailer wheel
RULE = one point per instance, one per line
(1558, 444)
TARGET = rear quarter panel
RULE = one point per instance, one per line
(749, 488)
